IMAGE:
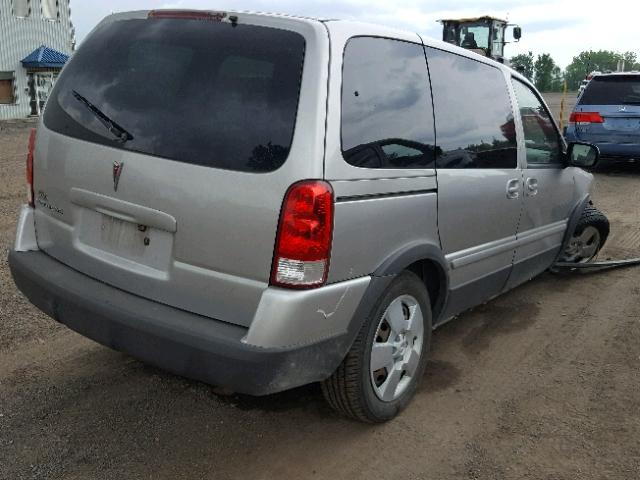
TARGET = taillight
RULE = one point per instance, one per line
(188, 15)
(305, 231)
(586, 117)
(32, 147)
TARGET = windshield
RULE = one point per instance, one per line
(474, 36)
(205, 93)
(612, 90)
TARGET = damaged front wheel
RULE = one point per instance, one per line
(588, 238)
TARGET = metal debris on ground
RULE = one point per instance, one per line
(598, 265)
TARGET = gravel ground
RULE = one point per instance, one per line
(541, 383)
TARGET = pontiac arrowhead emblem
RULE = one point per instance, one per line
(117, 171)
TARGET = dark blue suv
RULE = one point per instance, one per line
(608, 115)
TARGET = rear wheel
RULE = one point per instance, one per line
(588, 238)
(381, 372)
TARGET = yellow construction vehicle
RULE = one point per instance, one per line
(483, 35)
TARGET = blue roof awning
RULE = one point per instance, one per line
(45, 57)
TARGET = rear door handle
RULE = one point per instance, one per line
(513, 188)
(532, 186)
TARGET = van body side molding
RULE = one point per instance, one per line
(491, 249)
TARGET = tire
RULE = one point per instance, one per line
(351, 390)
(576, 251)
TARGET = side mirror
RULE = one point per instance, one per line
(583, 155)
(517, 33)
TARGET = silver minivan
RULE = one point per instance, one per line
(262, 201)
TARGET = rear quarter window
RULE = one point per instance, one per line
(204, 93)
(387, 116)
(475, 126)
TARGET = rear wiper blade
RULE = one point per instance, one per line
(118, 131)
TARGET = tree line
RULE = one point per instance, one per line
(549, 77)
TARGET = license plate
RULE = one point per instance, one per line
(120, 236)
(623, 124)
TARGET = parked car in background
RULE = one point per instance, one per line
(278, 210)
(583, 85)
(585, 82)
(607, 114)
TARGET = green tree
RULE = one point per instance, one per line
(545, 68)
(601, 60)
(557, 79)
(630, 61)
(524, 64)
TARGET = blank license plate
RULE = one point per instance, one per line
(121, 237)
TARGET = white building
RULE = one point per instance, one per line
(36, 38)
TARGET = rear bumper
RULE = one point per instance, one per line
(617, 150)
(174, 340)
(609, 149)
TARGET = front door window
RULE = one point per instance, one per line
(540, 134)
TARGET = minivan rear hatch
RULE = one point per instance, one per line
(167, 148)
(616, 98)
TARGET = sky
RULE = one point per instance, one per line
(562, 28)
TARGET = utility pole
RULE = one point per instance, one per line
(562, 103)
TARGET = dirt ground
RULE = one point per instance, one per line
(554, 101)
(541, 383)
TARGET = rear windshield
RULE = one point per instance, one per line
(614, 90)
(200, 92)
